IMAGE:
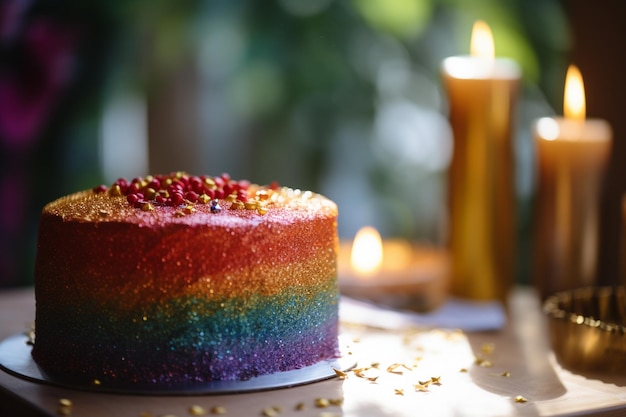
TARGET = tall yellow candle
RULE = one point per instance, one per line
(572, 154)
(482, 92)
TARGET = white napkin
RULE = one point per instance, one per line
(465, 315)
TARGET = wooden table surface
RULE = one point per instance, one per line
(433, 372)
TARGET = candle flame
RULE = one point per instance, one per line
(481, 44)
(548, 128)
(367, 251)
(574, 97)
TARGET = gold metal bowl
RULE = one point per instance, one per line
(588, 328)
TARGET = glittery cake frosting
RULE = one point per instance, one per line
(176, 278)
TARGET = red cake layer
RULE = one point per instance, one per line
(202, 249)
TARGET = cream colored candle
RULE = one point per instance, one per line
(572, 154)
(482, 92)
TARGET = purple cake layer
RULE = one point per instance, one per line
(191, 339)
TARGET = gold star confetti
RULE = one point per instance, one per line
(64, 411)
(271, 411)
(65, 407)
(341, 374)
(520, 399)
(421, 387)
(322, 402)
(218, 409)
(487, 348)
(393, 368)
(197, 410)
(336, 401)
(482, 362)
(65, 402)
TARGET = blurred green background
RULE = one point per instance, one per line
(342, 97)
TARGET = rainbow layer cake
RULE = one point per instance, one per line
(179, 278)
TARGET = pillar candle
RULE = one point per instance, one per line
(482, 93)
(571, 155)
